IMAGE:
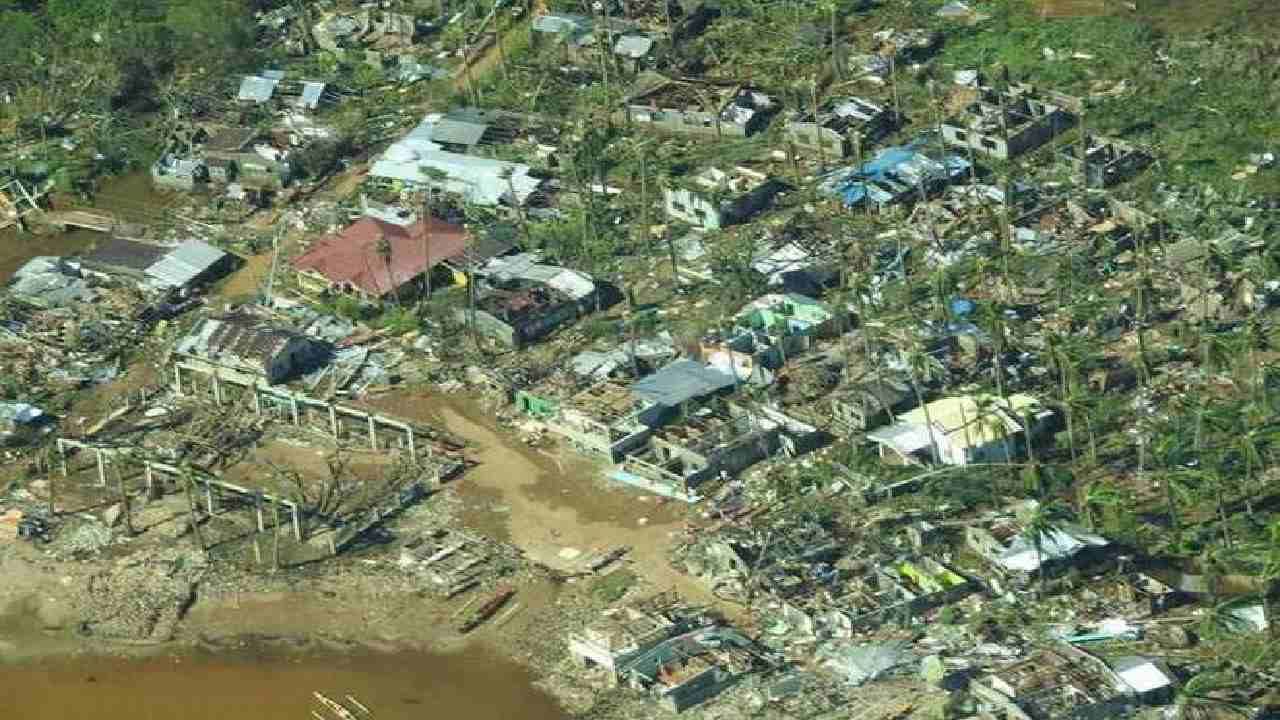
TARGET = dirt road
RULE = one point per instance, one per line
(556, 509)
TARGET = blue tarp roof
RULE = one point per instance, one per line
(893, 174)
(679, 382)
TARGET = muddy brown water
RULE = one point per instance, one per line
(17, 248)
(130, 197)
(470, 685)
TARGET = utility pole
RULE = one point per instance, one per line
(275, 258)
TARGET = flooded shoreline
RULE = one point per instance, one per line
(130, 196)
(473, 684)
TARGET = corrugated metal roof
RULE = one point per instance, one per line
(352, 258)
(458, 132)
(560, 23)
(477, 179)
(679, 382)
(311, 93)
(238, 339)
(19, 413)
(184, 264)
(633, 46)
(257, 89)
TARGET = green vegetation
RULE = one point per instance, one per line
(612, 587)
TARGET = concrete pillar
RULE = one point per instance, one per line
(217, 388)
(293, 408)
(373, 433)
(62, 455)
(413, 452)
(102, 469)
(146, 471)
(257, 506)
(297, 524)
(333, 419)
(208, 497)
(257, 400)
(177, 379)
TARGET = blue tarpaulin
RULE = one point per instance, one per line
(894, 173)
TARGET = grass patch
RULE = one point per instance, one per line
(612, 587)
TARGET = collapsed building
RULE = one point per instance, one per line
(841, 126)
(1066, 682)
(243, 345)
(684, 107)
(1007, 123)
(418, 162)
(1018, 557)
(707, 443)
(1107, 161)
(715, 198)
(894, 175)
(523, 300)
(687, 669)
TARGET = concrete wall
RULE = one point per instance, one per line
(693, 208)
(814, 138)
(695, 691)
(692, 122)
(1024, 139)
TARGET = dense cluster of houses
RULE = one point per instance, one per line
(696, 418)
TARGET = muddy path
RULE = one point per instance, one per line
(554, 505)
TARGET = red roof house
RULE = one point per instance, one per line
(350, 260)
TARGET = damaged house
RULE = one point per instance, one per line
(251, 347)
(840, 125)
(712, 442)
(715, 198)
(192, 264)
(1006, 124)
(1007, 546)
(604, 419)
(1107, 162)
(620, 636)
(270, 86)
(523, 300)
(22, 422)
(863, 404)
(374, 259)
(1066, 683)
(766, 333)
(470, 130)
(417, 161)
(691, 668)
(862, 593)
(366, 28)
(678, 106)
(896, 174)
(963, 430)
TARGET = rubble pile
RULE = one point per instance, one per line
(141, 598)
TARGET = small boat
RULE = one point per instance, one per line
(333, 706)
(487, 609)
(359, 705)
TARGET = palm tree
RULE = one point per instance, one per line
(1040, 526)
(1099, 493)
(435, 178)
(922, 367)
(386, 253)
